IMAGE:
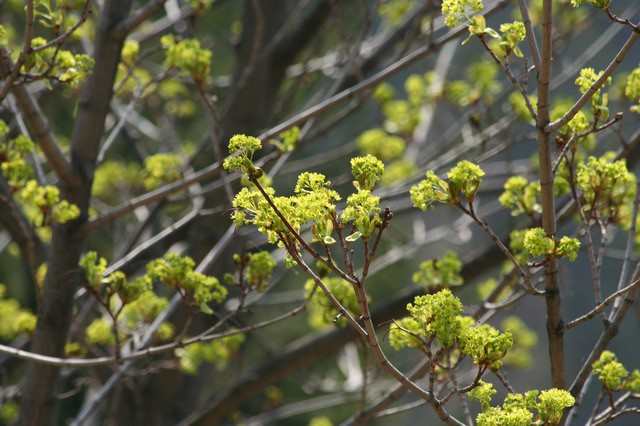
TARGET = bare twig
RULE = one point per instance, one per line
(132, 22)
(602, 306)
(12, 72)
(597, 85)
(531, 35)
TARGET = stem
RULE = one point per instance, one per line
(299, 239)
(531, 35)
(597, 85)
(552, 290)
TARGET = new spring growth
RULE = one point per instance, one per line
(14, 319)
(288, 140)
(41, 203)
(256, 269)
(242, 148)
(57, 64)
(217, 352)
(464, 181)
(600, 4)
(546, 407)
(439, 316)
(512, 34)
(537, 243)
(632, 89)
(457, 10)
(128, 303)
(613, 375)
(178, 272)
(321, 311)
(443, 272)
(317, 203)
(367, 171)
(363, 209)
(599, 101)
(187, 56)
(521, 196)
(608, 188)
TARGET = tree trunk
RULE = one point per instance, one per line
(39, 394)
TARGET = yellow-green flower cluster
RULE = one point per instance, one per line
(42, 204)
(46, 206)
(512, 34)
(217, 352)
(464, 181)
(13, 163)
(100, 332)
(430, 190)
(130, 52)
(600, 4)
(14, 319)
(57, 64)
(608, 188)
(178, 272)
(519, 409)
(242, 148)
(321, 310)
(400, 116)
(482, 84)
(144, 309)
(115, 284)
(632, 89)
(313, 202)
(419, 88)
(366, 171)
(379, 143)
(403, 333)
(443, 272)
(187, 56)
(599, 101)
(483, 393)
(613, 375)
(289, 139)
(438, 314)
(259, 269)
(363, 210)
(521, 196)
(537, 243)
(161, 169)
(486, 345)
(456, 10)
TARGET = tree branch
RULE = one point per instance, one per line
(597, 85)
(39, 128)
(552, 290)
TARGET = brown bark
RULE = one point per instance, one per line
(552, 289)
(39, 394)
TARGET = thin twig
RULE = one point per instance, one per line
(597, 85)
(602, 306)
(511, 77)
(531, 35)
(372, 81)
(22, 57)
